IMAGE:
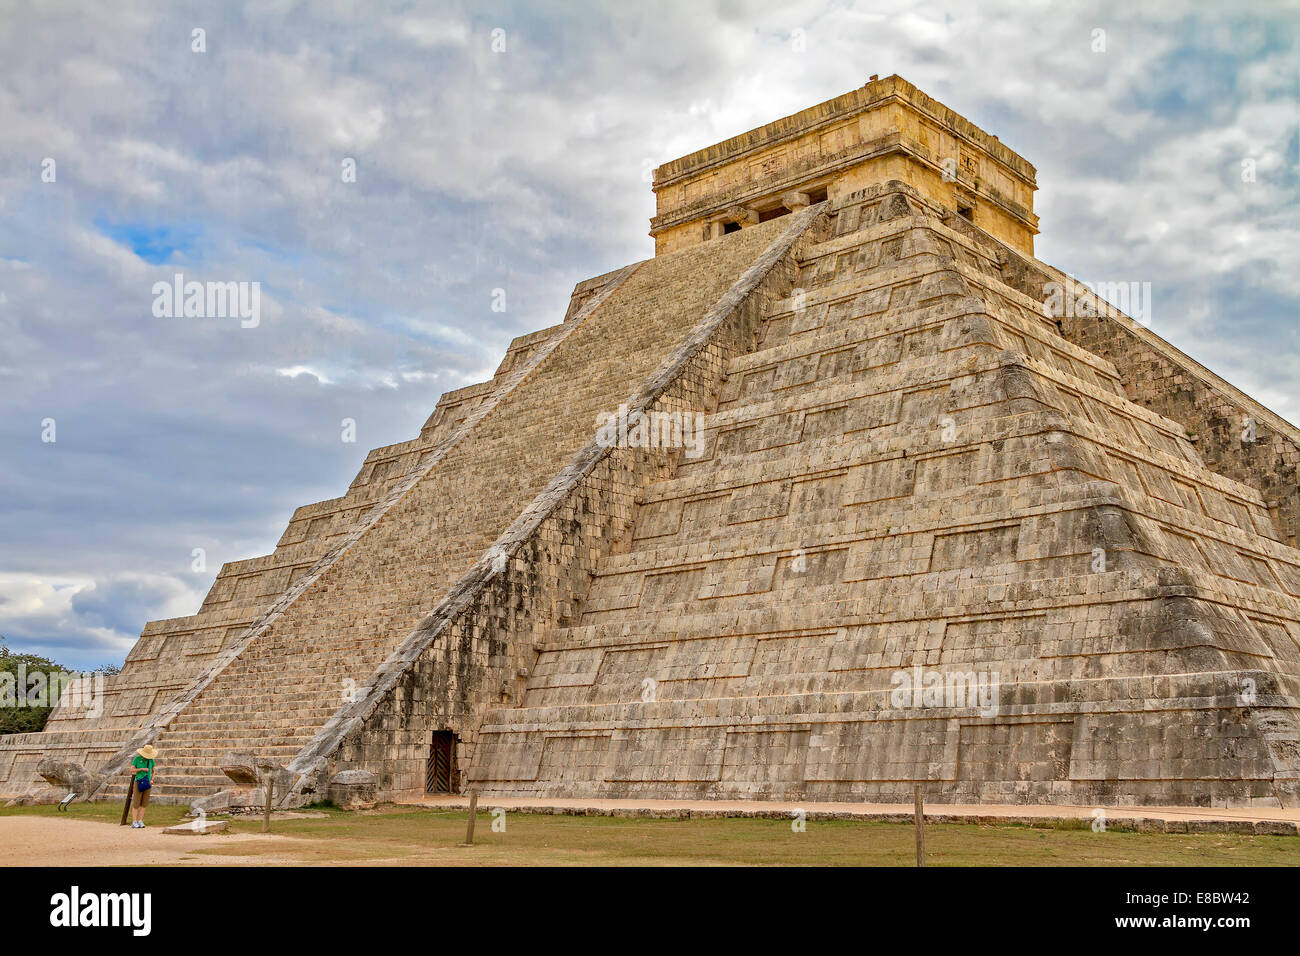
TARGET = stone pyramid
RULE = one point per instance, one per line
(928, 531)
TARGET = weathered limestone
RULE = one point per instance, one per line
(71, 777)
(217, 802)
(915, 473)
(1236, 435)
(241, 767)
(353, 789)
(452, 665)
(911, 479)
(172, 655)
(887, 130)
(323, 643)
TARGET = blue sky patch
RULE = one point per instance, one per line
(153, 243)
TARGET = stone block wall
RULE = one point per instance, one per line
(476, 648)
(1156, 375)
(172, 654)
(915, 468)
(886, 130)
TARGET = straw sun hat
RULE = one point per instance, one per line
(148, 751)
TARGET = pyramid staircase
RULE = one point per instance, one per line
(371, 581)
(171, 653)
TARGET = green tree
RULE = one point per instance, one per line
(22, 719)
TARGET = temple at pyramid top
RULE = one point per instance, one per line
(887, 130)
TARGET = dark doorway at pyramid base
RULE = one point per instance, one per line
(440, 774)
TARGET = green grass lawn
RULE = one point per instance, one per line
(416, 836)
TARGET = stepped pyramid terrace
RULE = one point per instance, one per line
(931, 529)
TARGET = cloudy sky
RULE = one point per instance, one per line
(523, 169)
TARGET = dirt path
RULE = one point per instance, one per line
(29, 840)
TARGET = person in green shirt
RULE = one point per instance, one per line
(142, 770)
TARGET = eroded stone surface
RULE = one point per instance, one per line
(69, 776)
(353, 789)
(916, 476)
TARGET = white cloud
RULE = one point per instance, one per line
(520, 170)
(297, 370)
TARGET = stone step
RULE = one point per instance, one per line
(726, 473)
(241, 735)
(801, 606)
(852, 329)
(263, 679)
(223, 740)
(270, 705)
(184, 777)
(835, 525)
(180, 745)
(203, 722)
(820, 289)
(180, 752)
(881, 384)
